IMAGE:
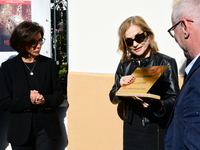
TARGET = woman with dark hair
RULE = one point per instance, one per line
(30, 91)
(145, 118)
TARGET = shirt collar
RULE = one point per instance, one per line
(189, 66)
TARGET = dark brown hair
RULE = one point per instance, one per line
(23, 34)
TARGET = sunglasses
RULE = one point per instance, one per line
(138, 38)
(34, 43)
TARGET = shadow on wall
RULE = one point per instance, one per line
(62, 111)
(62, 141)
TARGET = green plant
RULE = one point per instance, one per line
(63, 71)
(59, 35)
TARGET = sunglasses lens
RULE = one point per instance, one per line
(140, 38)
(129, 42)
(34, 43)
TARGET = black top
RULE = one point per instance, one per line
(33, 85)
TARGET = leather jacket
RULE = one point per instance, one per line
(166, 86)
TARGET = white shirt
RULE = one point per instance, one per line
(188, 68)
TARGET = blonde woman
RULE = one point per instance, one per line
(145, 119)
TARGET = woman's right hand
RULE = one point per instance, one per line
(126, 80)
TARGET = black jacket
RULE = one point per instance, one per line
(15, 98)
(166, 86)
(135, 115)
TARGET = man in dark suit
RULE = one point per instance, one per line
(183, 130)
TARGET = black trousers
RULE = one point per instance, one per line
(38, 140)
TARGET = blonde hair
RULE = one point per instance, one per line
(140, 22)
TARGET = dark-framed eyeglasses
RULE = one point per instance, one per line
(138, 38)
(34, 43)
(171, 30)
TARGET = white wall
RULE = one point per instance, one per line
(93, 26)
(41, 14)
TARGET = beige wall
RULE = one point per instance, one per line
(93, 122)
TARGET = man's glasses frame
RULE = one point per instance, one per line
(171, 30)
(138, 38)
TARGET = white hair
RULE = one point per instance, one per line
(187, 9)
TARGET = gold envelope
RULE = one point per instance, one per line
(145, 77)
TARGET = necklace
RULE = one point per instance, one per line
(31, 70)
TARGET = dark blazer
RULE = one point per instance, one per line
(183, 130)
(15, 98)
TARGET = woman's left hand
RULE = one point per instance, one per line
(36, 98)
